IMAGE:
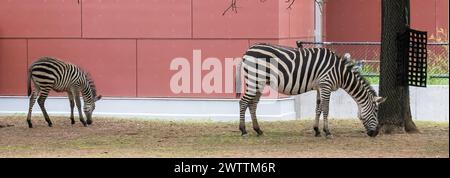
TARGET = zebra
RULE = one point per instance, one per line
(49, 73)
(294, 71)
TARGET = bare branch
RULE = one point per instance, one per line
(291, 3)
(232, 7)
(320, 4)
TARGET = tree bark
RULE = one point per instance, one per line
(395, 113)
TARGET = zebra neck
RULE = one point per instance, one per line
(357, 88)
(86, 93)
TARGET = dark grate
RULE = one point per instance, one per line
(412, 58)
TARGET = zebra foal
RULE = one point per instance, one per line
(52, 74)
(293, 71)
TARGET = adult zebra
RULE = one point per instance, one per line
(293, 71)
(50, 73)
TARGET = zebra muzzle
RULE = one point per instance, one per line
(372, 133)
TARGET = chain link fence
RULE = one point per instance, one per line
(368, 54)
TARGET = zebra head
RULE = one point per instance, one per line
(89, 105)
(89, 109)
(369, 116)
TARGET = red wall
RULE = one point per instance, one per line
(40, 19)
(13, 66)
(429, 15)
(360, 20)
(127, 45)
(352, 20)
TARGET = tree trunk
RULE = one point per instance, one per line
(395, 113)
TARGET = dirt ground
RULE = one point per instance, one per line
(109, 137)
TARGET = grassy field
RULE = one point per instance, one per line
(136, 138)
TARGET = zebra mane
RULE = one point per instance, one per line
(351, 66)
(364, 81)
(91, 83)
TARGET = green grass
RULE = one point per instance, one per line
(437, 81)
(439, 69)
(430, 81)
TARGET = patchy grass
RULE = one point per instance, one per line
(375, 80)
(137, 138)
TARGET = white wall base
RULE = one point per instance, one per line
(160, 108)
(428, 104)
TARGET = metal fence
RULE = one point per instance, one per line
(369, 54)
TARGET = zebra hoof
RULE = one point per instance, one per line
(72, 122)
(50, 125)
(259, 132)
(243, 130)
(30, 125)
(329, 136)
(317, 132)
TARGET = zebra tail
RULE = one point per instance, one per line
(238, 80)
(29, 82)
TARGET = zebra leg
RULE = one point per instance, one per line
(325, 93)
(41, 102)
(78, 102)
(247, 101)
(72, 105)
(30, 109)
(243, 104)
(252, 107)
(318, 112)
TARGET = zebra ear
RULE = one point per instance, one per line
(347, 57)
(379, 100)
(98, 97)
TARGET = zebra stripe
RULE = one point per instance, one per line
(52, 74)
(294, 71)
